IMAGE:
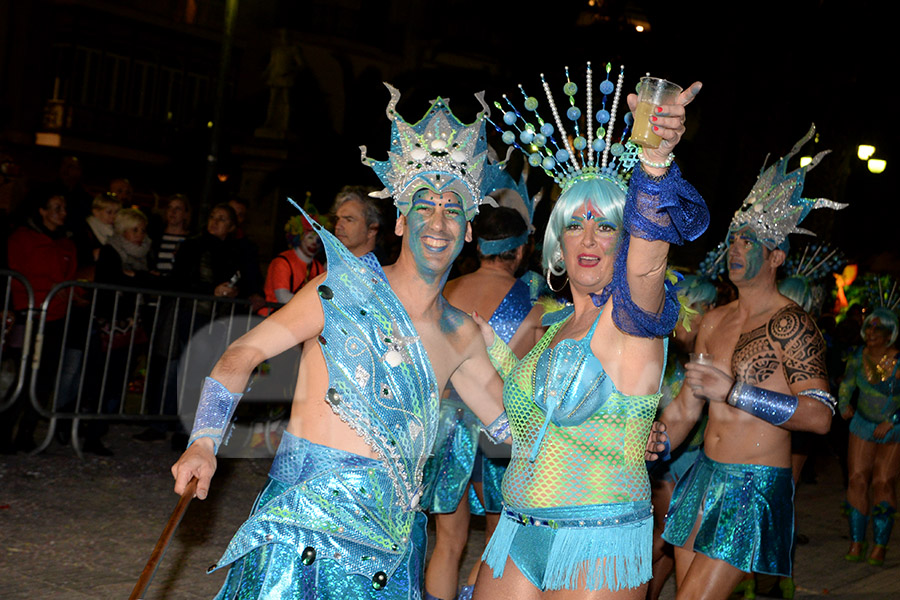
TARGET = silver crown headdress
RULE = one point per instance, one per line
(585, 156)
(439, 153)
(776, 206)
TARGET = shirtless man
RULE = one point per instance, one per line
(339, 513)
(732, 513)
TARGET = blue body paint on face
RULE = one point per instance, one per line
(436, 230)
(751, 254)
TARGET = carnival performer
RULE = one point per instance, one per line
(873, 455)
(292, 269)
(339, 517)
(576, 495)
(732, 513)
(697, 294)
(493, 289)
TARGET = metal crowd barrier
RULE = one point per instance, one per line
(136, 355)
(15, 339)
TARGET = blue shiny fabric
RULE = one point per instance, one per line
(747, 514)
(604, 546)
(380, 380)
(448, 471)
(668, 210)
(865, 429)
(883, 515)
(324, 526)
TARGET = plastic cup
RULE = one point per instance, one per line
(653, 92)
(702, 358)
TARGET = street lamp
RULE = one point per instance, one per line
(865, 151)
(876, 165)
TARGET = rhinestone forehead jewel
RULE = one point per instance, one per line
(584, 156)
(776, 206)
(439, 153)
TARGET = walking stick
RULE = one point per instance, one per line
(162, 543)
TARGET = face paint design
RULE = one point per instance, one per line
(589, 245)
(746, 255)
(436, 229)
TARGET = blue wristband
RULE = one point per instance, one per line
(771, 407)
(498, 431)
(214, 412)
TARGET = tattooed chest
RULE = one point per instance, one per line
(754, 359)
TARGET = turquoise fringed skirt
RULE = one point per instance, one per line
(606, 546)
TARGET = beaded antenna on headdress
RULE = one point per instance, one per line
(439, 153)
(776, 206)
(584, 157)
(814, 262)
(713, 264)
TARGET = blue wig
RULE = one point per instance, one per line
(799, 290)
(883, 319)
(599, 194)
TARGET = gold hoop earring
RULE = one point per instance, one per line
(549, 285)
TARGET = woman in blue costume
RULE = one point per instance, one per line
(577, 513)
(492, 289)
(698, 294)
(873, 456)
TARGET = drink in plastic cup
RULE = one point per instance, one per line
(701, 358)
(653, 92)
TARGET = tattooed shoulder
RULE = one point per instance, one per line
(754, 359)
(802, 346)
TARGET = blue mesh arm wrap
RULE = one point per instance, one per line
(628, 316)
(771, 407)
(214, 413)
(667, 209)
(498, 431)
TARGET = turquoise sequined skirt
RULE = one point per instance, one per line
(865, 429)
(326, 526)
(449, 468)
(747, 514)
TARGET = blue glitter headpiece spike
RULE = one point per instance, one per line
(439, 153)
(585, 156)
(776, 206)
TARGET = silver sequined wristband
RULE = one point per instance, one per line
(771, 407)
(498, 431)
(214, 412)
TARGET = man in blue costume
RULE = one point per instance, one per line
(339, 515)
(732, 512)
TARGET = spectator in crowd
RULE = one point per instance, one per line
(211, 263)
(95, 232)
(357, 220)
(121, 189)
(290, 270)
(248, 252)
(43, 252)
(177, 229)
(124, 258)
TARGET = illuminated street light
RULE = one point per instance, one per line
(876, 165)
(865, 152)
(805, 160)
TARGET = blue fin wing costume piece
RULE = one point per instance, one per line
(323, 502)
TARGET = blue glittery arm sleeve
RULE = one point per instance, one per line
(667, 210)
(628, 316)
(772, 407)
(214, 413)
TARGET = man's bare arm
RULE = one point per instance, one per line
(477, 382)
(803, 357)
(299, 320)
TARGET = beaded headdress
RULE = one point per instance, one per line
(591, 156)
(776, 206)
(713, 264)
(439, 153)
(806, 272)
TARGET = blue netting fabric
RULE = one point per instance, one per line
(668, 210)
